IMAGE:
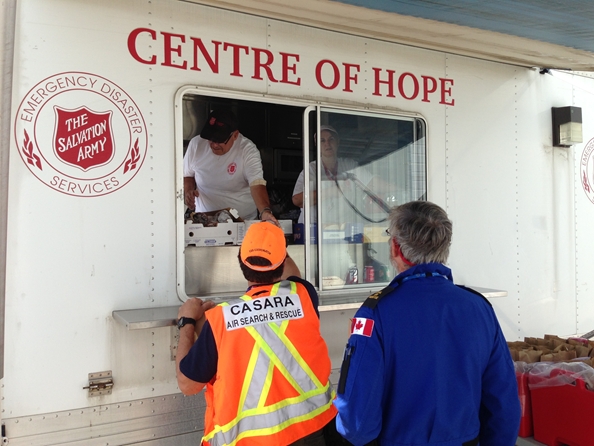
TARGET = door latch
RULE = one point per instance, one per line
(100, 383)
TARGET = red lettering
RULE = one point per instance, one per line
(348, 77)
(401, 79)
(168, 49)
(41, 92)
(389, 82)
(132, 45)
(236, 48)
(428, 89)
(258, 64)
(206, 56)
(289, 68)
(199, 47)
(447, 90)
(335, 70)
(71, 187)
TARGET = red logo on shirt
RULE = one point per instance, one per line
(231, 168)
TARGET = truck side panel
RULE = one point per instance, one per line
(96, 232)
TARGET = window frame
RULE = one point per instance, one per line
(352, 296)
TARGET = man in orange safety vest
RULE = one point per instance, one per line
(261, 357)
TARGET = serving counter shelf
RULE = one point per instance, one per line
(145, 318)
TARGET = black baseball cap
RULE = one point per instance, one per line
(219, 126)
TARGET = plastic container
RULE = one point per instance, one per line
(562, 415)
(526, 425)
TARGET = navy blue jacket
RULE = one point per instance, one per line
(427, 364)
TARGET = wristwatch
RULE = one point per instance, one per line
(183, 321)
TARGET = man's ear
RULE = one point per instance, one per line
(396, 257)
(394, 252)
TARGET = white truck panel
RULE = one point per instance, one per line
(522, 220)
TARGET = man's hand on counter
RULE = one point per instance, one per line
(195, 309)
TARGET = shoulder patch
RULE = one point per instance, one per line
(474, 292)
(372, 300)
(362, 326)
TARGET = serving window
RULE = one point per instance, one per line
(332, 176)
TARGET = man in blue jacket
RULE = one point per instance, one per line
(426, 362)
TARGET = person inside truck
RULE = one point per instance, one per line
(223, 169)
(261, 357)
(337, 184)
(426, 361)
(344, 187)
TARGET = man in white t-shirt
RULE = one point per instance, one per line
(335, 170)
(337, 194)
(223, 169)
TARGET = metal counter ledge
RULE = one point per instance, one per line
(144, 318)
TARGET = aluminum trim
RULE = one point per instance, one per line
(119, 423)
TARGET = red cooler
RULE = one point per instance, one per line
(562, 415)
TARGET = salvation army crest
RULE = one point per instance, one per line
(81, 134)
(83, 138)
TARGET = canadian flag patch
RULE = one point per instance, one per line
(362, 326)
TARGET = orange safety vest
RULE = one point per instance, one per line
(272, 383)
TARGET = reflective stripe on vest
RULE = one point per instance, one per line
(273, 349)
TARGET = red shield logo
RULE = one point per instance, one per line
(83, 138)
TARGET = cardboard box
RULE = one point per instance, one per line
(230, 233)
(220, 235)
(374, 234)
(285, 225)
(333, 236)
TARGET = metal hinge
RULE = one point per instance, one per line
(100, 383)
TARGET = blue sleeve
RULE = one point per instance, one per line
(361, 385)
(200, 364)
(313, 294)
(500, 410)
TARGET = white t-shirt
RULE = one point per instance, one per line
(337, 210)
(224, 180)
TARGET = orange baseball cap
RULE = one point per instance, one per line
(264, 239)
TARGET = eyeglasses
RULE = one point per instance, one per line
(388, 233)
(224, 142)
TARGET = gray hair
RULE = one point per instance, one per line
(423, 231)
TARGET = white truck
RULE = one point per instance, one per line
(99, 101)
